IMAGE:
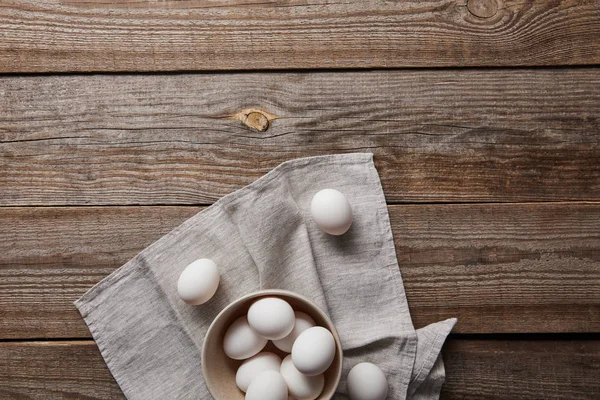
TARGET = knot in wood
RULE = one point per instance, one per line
(257, 120)
(483, 8)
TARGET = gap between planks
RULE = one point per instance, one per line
(389, 203)
(282, 71)
(453, 336)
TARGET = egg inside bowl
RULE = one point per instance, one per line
(219, 370)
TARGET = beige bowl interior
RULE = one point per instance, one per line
(219, 370)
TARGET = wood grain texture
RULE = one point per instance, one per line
(55, 370)
(498, 268)
(507, 370)
(476, 369)
(501, 268)
(54, 255)
(119, 35)
(437, 136)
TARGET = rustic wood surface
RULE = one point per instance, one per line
(438, 136)
(482, 369)
(522, 369)
(492, 172)
(497, 267)
(120, 35)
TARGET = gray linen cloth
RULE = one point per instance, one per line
(261, 237)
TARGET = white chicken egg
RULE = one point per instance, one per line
(198, 282)
(255, 366)
(271, 317)
(241, 341)
(303, 322)
(302, 387)
(367, 382)
(269, 385)
(313, 351)
(331, 211)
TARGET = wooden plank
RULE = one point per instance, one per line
(56, 254)
(515, 369)
(501, 268)
(481, 369)
(56, 370)
(498, 268)
(117, 35)
(438, 136)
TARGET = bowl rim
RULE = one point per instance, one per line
(273, 292)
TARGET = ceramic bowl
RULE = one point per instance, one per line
(219, 370)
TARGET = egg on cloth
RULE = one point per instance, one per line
(255, 366)
(367, 382)
(331, 211)
(272, 318)
(198, 282)
(269, 385)
(313, 351)
(241, 341)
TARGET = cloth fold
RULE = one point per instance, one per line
(262, 236)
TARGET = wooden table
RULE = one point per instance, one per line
(120, 119)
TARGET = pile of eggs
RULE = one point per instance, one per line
(311, 349)
(264, 375)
